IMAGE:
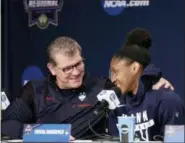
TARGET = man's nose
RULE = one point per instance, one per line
(75, 71)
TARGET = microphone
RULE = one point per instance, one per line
(125, 133)
(4, 101)
(110, 98)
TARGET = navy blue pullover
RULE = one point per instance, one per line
(153, 110)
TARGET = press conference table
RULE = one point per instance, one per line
(85, 141)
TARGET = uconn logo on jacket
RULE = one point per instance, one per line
(143, 123)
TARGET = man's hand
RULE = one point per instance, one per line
(162, 83)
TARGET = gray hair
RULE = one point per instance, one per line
(63, 45)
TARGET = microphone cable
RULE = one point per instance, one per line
(101, 136)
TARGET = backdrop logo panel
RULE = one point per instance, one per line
(31, 73)
(115, 7)
(43, 12)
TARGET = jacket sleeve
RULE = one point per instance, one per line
(18, 113)
(171, 110)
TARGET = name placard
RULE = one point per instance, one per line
(46, 132)
(174, 133)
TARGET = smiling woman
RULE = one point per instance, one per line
(127, 65)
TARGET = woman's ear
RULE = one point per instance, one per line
(136, 67)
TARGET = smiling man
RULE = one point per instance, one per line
(67, 95)
(66, 63)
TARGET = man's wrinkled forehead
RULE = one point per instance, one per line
(65, 60)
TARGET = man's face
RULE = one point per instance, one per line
(121, 74)
(69, 70)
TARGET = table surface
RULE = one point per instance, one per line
(85, 141)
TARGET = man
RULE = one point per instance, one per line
(153, 109)
(68, 95)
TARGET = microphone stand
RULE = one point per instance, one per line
(106, 120)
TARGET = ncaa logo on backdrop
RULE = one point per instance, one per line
(43, 12)
(115, 7)
(31, 73)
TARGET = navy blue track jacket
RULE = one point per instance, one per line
(153, 110)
